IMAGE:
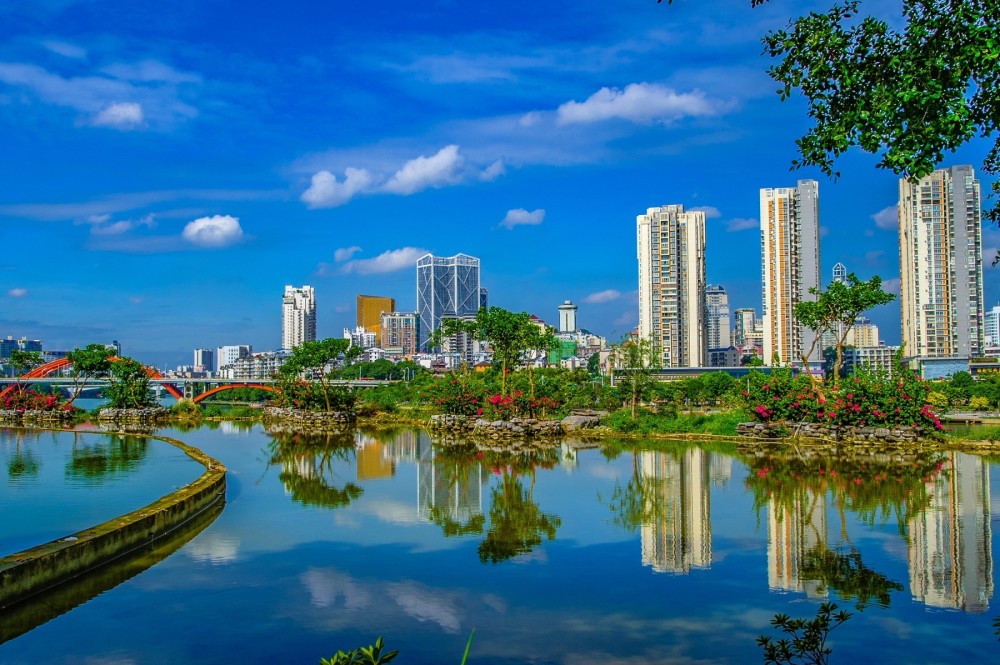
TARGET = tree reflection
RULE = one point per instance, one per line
(307, 461)
(640, 501)
(117, 455)
(517, 524)
(846, 573)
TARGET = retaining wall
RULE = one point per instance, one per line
(33, 571)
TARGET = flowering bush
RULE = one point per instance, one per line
(456, 396)
(518, 405)
(864, 399)
(29, 400)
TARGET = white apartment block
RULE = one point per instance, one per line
(227, 355)
(717, 322)
(298, 316)
(671, 253)
(941, 264)
(789, 239)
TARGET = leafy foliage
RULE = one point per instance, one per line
(30, 400)
(128, 385)
(369, 655)
(806, 641)
(91, 362)
(310, 360)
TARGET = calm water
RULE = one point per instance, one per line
(675, 555)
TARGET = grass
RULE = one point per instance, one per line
(647, 422)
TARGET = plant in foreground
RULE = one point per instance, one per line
(372, 655)
(806, 641)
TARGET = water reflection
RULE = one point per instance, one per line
(111, 457)
(307, 466)
(951, 563)
(939, 502)
(22, 462)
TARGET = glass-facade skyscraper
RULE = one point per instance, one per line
(447, 287)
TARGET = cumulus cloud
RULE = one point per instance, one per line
(441, 168)
(214, 231)
(602, 296)
(344, 253)
(120, 115)
(327, 192)
(887, 219)
(17, 293)
(644, 103)
(891, 285)
(388, 261)
(742, 224)
(493, 171)
(522, 217)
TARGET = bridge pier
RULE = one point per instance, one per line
(189, 389)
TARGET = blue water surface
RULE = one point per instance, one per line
(644, 553)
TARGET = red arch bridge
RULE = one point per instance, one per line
(193, 389)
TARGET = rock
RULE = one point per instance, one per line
(576, 421)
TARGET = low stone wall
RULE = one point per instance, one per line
(33, 571)
(516, 427)
(54, 417)
(132, 416)
(830, 432)
(316, 420)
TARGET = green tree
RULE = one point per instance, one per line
(634, 361)
(91, 362)
(908, 94)
(310, 359)
(128, 385)
(23, 362)
(836, 310)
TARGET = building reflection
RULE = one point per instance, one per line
(951, 564)
(677, 535)
(796, 526)
(449, 489)
(373, 460)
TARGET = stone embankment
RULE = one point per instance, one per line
(132, 417)
(309, 420)
(35, 417)
(516, 427)
(831, 432)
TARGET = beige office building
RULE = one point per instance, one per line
(671, 252)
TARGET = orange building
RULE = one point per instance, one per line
(370, 310)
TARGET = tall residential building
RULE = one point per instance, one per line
(370, 311)
(447, 287)
(789, 239)
(839, 272)
(941, 264)
(671, 252)
(745, 323)
(400, 333)
(717, 323)
(862, 333)
(204, 360)
(298, 316)
(567, 317)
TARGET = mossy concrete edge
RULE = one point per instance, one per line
(34, 570)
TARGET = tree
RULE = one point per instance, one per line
(309, 359)
(634, 360)
(128, 385)
(836, 309)
(23, 362)
(908, 95)
(90, 362)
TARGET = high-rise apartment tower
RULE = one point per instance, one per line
(941, 264)
(717, 324)
(789, 239)
(671, 252)
(298, 316)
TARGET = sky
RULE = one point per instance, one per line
(168, 169)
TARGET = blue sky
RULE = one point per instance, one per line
(168, 169)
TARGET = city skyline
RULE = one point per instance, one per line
(173, 175)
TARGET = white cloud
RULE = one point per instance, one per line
(214, 231)
(626, 319)
(522, 217)
(120, 115)
(64, 49)
(17, 293)
(891, 285)
(887, 219)
(602, 297)
(388, 261)
(493, 171)
(327, 192)
(344, 253)
(441, 168)
(644, 103)
(101, 227)
(742, 224)
(711, 212)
